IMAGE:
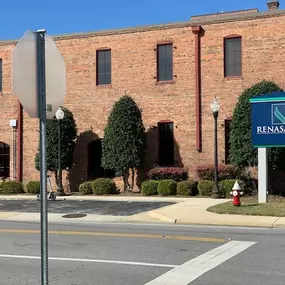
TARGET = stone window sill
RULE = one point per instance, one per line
(104, 86)
(165, 82)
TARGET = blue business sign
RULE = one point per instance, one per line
(268, 120)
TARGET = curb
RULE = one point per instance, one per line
(57, 218)
(222, 224)
(100, 198)
(163, 218)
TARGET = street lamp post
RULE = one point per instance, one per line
(59, 116)
(215, 109)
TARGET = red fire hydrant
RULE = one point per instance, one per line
(236, 193)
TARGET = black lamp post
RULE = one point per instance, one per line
(59, 116)
(215, 109)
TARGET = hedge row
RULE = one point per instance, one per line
(205, 187)
(191, 188)
(11, 187)
(168, 173)
(169, 187)
(33, 187)
(207, 172)
(14, 187)
(165, 187)
(100, 186)
(204, 172)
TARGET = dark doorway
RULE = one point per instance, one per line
(166, 143)
(4, 160)
(95, 170)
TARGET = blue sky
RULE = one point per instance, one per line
(63, 16)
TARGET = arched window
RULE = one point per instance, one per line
(4, 160)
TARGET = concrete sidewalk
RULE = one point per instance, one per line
(132, 198)
(194, 211)
(185, 211)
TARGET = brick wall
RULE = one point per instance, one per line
(8, 102)
(263, 50)
(133, 72)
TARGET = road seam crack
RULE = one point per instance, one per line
(273, 224)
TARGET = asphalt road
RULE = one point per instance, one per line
(131, 254)
(113, 208)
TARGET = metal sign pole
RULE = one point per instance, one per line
(14, 153)
(41, 80)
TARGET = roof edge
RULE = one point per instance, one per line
(234, 12)
(222, 18)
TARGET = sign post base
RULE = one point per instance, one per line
(262, 175)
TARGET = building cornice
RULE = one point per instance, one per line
(195, 21)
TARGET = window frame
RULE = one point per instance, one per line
(233, 37)
(158, 77)
(160, 160)
(97, 67)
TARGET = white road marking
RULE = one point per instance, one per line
(90, 260)
(194, 268)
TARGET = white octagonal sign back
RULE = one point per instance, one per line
(24, 73)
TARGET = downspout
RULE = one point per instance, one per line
(20, 142)
(197, 31)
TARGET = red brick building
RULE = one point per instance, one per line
(173, 72)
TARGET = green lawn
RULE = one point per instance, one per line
(249, 206)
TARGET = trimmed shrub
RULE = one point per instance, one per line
(11, 187)
(33, 187)
(242, 152)
(124, 142)
(226, 187)
(166, 187)
(68, 132)
(207, 172)
(206, 187)
(187, 188)
(85, 188)
(165, 173)
(103, 186)
(249, 186)
(149, 187)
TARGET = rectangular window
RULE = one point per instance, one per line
(227, 140)
(103, 66)
(1, 75)
(232, 57)
(166, 144)
(164, 62)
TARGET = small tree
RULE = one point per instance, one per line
(68, 135)
(242, 152)
(124, 140)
